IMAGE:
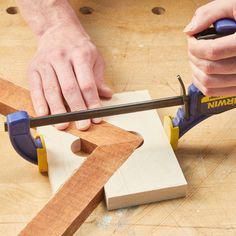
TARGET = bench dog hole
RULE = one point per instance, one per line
(158, 10)
(141, 144)
(12, 10)
(86, 10)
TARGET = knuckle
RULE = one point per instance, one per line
(208, 67)
(92, 48)
(58, 55)
(212, 52)
(87, 53)
(69, 88)
(51, 90)
(87, 88)
(206, 81)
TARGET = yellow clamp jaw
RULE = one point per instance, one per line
(171, 131)
(42, 156)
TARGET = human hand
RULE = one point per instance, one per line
(67, 67)
(213, 62)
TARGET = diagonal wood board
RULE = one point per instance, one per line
(154, 164)
(109, 146)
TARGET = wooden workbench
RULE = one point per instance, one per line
(142, 51)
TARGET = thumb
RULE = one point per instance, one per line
(206, 15)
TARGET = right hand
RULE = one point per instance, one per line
(213, 62)
(67, 67)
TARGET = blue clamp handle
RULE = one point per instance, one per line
(20, 136)
(202, 107)
(225, 26)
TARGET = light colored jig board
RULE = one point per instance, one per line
(152, 173)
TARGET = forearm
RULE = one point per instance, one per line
(45, 14)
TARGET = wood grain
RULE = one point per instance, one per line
(80, 195)
(154, 163)
(141, 51)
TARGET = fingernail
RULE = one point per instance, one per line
(190, 27)
(97, 120)
(62, 126)
(42, 111)
(83, 124)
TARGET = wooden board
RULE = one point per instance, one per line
(142, 51)
(61, 155)
(154, 163)
(108, 147)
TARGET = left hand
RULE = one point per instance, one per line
(213, 62)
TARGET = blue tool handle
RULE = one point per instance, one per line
(225, 26)
(21, 138)
(201, 107)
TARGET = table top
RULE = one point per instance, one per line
(142, 50)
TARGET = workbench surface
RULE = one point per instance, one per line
(142, 51)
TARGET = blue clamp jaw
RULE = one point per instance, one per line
(200, 108)
(30, 148)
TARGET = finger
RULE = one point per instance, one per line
(71, 91)
(208, 14)
(229, 91)
(200, 86)
(213, 81)
(36, 90)
(213, 50)
(224, 66)
(85, 78)
(103, 90)
(53, 93)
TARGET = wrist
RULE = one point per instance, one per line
(56, 15)
(62, 29)
(42, 16)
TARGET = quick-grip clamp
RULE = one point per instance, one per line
(30, 148)
(200, 108)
